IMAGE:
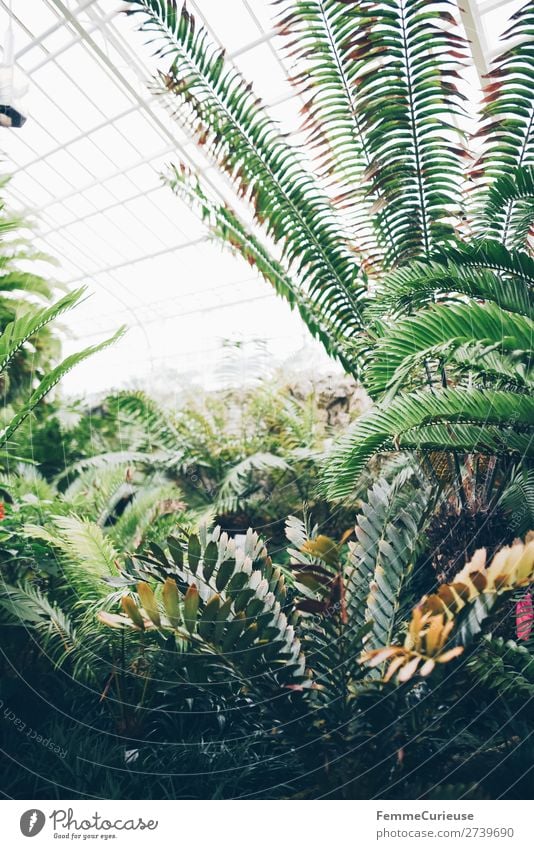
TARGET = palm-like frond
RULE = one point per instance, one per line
(29, 607)
(319, 37)
(102, 462)
(150, 503)
(149, 426)
(508, 116)
(324, 323)
(224, 113)
(223, 599)
(491, 254)
(51, 379)
(452, 419)
(435, 330)
(241, 480)
(518, 500)
(458, 274)
(407, 98)
(25, 281)
(17, 333)
(389, 531)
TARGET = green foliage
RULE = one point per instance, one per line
(506, 127)
(224, 599)
(389, 533)
(380, 83)
(454, 419)
(313, 675)
(226, 117)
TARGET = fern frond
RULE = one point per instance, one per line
(420, 283)
(406, 96)
(29, 607)
(509, 208)
(388, 530)
(460, 607)
(140, 515)
(225, 115)
(473, 420)
(51, 379)
(435, 330)
(518, 501)
(504, 666)
(319, 37)
(242, 477)
(508, 114)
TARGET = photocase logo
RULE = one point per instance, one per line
(32, 822)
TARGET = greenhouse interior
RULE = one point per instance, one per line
(267, 461)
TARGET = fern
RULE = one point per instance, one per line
(456, 612)
(486, 421)
(389, 533)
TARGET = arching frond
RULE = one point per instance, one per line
(389, 532)
(224, 600)
(224, 114)
(518, 500)
(434, 330)
(51, 379)
(509, 208)
(241, 480)
(150, 503)
(319, 36)
(328, 325)
(421, 283)
(456, 611)
(29, 607)
(102, 462)
(153, 427)
(406, 97)
(89, 557)
(508, 114)
(471, 420)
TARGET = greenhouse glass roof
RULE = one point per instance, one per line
(87, 165)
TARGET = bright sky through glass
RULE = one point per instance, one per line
(87, 164)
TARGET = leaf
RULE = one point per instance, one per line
(171, 602)
(193, 553)
(191, 601)
(130, 608)
(148, 600)
(210, 557)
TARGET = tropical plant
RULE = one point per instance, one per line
(17, 333)
(308, 655)
(245, 457)
(405, 253)
(367, 660)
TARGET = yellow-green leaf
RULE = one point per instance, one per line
(191, 600)
(148, 600)
(171, 602)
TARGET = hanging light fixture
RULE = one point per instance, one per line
(13, 83)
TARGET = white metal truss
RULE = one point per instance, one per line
(92, 177)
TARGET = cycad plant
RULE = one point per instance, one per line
(402, 239)
(246, 456)
(327, 667)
